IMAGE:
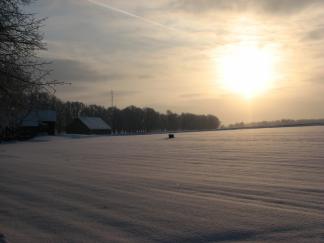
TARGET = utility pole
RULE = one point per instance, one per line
(113, 111)
(112, 98)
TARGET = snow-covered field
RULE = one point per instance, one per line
(264, 185)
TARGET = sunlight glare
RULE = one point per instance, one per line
(247, 69)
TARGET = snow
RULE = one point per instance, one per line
(263, 185)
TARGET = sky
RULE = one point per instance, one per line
(189, 55)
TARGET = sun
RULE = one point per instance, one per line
(247, 69)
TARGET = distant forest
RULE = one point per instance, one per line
(131, 119)
(277, 123)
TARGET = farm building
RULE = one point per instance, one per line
(88, 125)
(35, 122)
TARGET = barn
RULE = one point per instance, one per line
(88, 125)
(38, 122)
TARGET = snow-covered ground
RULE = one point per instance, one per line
(263, 185)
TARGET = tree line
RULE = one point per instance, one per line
(131, 119)
(277, 123)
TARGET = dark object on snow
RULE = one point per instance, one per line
(88, 125)
(171, 136)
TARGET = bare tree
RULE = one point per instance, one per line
(22, 72)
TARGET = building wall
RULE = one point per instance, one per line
(47, 127)
(77, 127)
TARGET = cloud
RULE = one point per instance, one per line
(121, 93)
(127, 13)
(315, 35)
(145, 76)
(77, 71)
(191, 95)
(287, 6)
(269, 6)
(104, 96)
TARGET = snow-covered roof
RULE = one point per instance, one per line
(31, 120)
(34, 118)
(94, 123)
(47, 115)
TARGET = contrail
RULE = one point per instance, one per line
(107, 6)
